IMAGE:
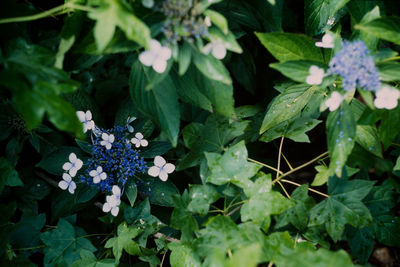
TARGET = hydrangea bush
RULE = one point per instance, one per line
(200, 133)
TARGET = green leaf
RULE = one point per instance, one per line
(114, 14)
(160, 104)
(218, 20)
(324, 173)
(131, 193)
(63, 245)
(181, 219)
(155, 148)
(317, 13)
(88, 259)
(9, 176)
(361, 242)
(290, 46)
(343, 206)
(227, 40)
(123, 241)
(183, 256)
(211, 67)
(341, 134)
(294, 129)
(202, 196)
(386, 28)
(389, 127)
(162, 192)
(231, 167)
(216, 133)
(287, 105)
(54, 161)
(297, 70)
(367, 137)
(184, 56)
(397, 166)
(262, 201)
(389, 71)
(26, 232)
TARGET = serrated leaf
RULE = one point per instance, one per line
(183, 256)
(88, 259)
(290, 46)
(202, 196)
(181, 219)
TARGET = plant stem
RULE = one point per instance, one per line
(391, 58)
(42, 246)
(284, 190)
(279, 158)
(233, 211)
(296, 184)
(264, 165)
(287, 162)
(300, 167)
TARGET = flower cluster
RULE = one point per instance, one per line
(114, 163)
(356, 67)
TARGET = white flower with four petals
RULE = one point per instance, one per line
(161, 168)
(216, 48)
(108, 139)
(156, 57)
(98, 175)
(316, 75)
(334, 101)
(67, 182)
(73, 165)
(113, 201)
(386, 98)
(327, 41)
(139, 140)
(86, 119)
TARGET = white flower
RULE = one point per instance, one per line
(86, 119)
(67, 182)
(112, 204)
(98, 175)
(387, 98)
(217, 49)
(207, 21)
(316, 75)
(129, 121)
(138, 140)
(327, 41)
(334, 101)
(107, 140)
(73, 165)
(161, 168)
(156, 57)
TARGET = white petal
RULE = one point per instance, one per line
(130, 129)
(72, 171)
(111, 138)
(159, 65)
(108, 146)
(314, 79)
(159, 161)
(103, 143)
(207, 49)
(391, 104)
(106, 207)
(116, 190)
(207, 21)
(72, 187)
(327, 38)
(165, 53)
(219, 51)
(88, 115)
(114, 211)
(99, 169)
(104, 136)
(96, 179)
(155, 45)
(139, 135)
(144, 143)
(67, 166)
(137, 144)
(90, 125)
(379, 103)
(169, 167)
(67, 177)
(72, 157)
(163, 175)
(63, 184)
(154, 171)
(103, 176)
(85, 127)
(81, 116)
(134, 140)
(147, 58)
(78, 164)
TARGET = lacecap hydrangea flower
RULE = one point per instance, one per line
(387, 97)
(115, 162)
(356, 67)
(156, 57)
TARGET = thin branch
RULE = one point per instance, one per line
(264, 165)
(284, 190)
(279, 157)
(233, 211)
(296, 184)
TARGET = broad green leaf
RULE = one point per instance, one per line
(162, 192)
(297, 70)
(131, 193)
(343, 206)
(184, 57)
(9, 176)
(123, 241)
(202, 196)
(367, 137)
(341, 134)
(63, 245)
(290, 46)
(160, 104)
(211, 67)
(26, 232)
(389, 71)
(215, 135)
(287, 105)
(112, 14)
(231, 167)
(218, 20)
(319, 15)
(183, 256)
(181, 219)
(386, 228)
(369, 13)
(155, 148)
(262, 201)
(324, 173)
(361, 242)
(389, 127)
(88, 259)
(294, 129)
(386, 28)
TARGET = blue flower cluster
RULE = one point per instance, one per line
(356, 67)
(120, 162)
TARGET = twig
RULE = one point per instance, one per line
(296, 184)
(46, 178)
(279, 157)
(264, 165)
(233, 211)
